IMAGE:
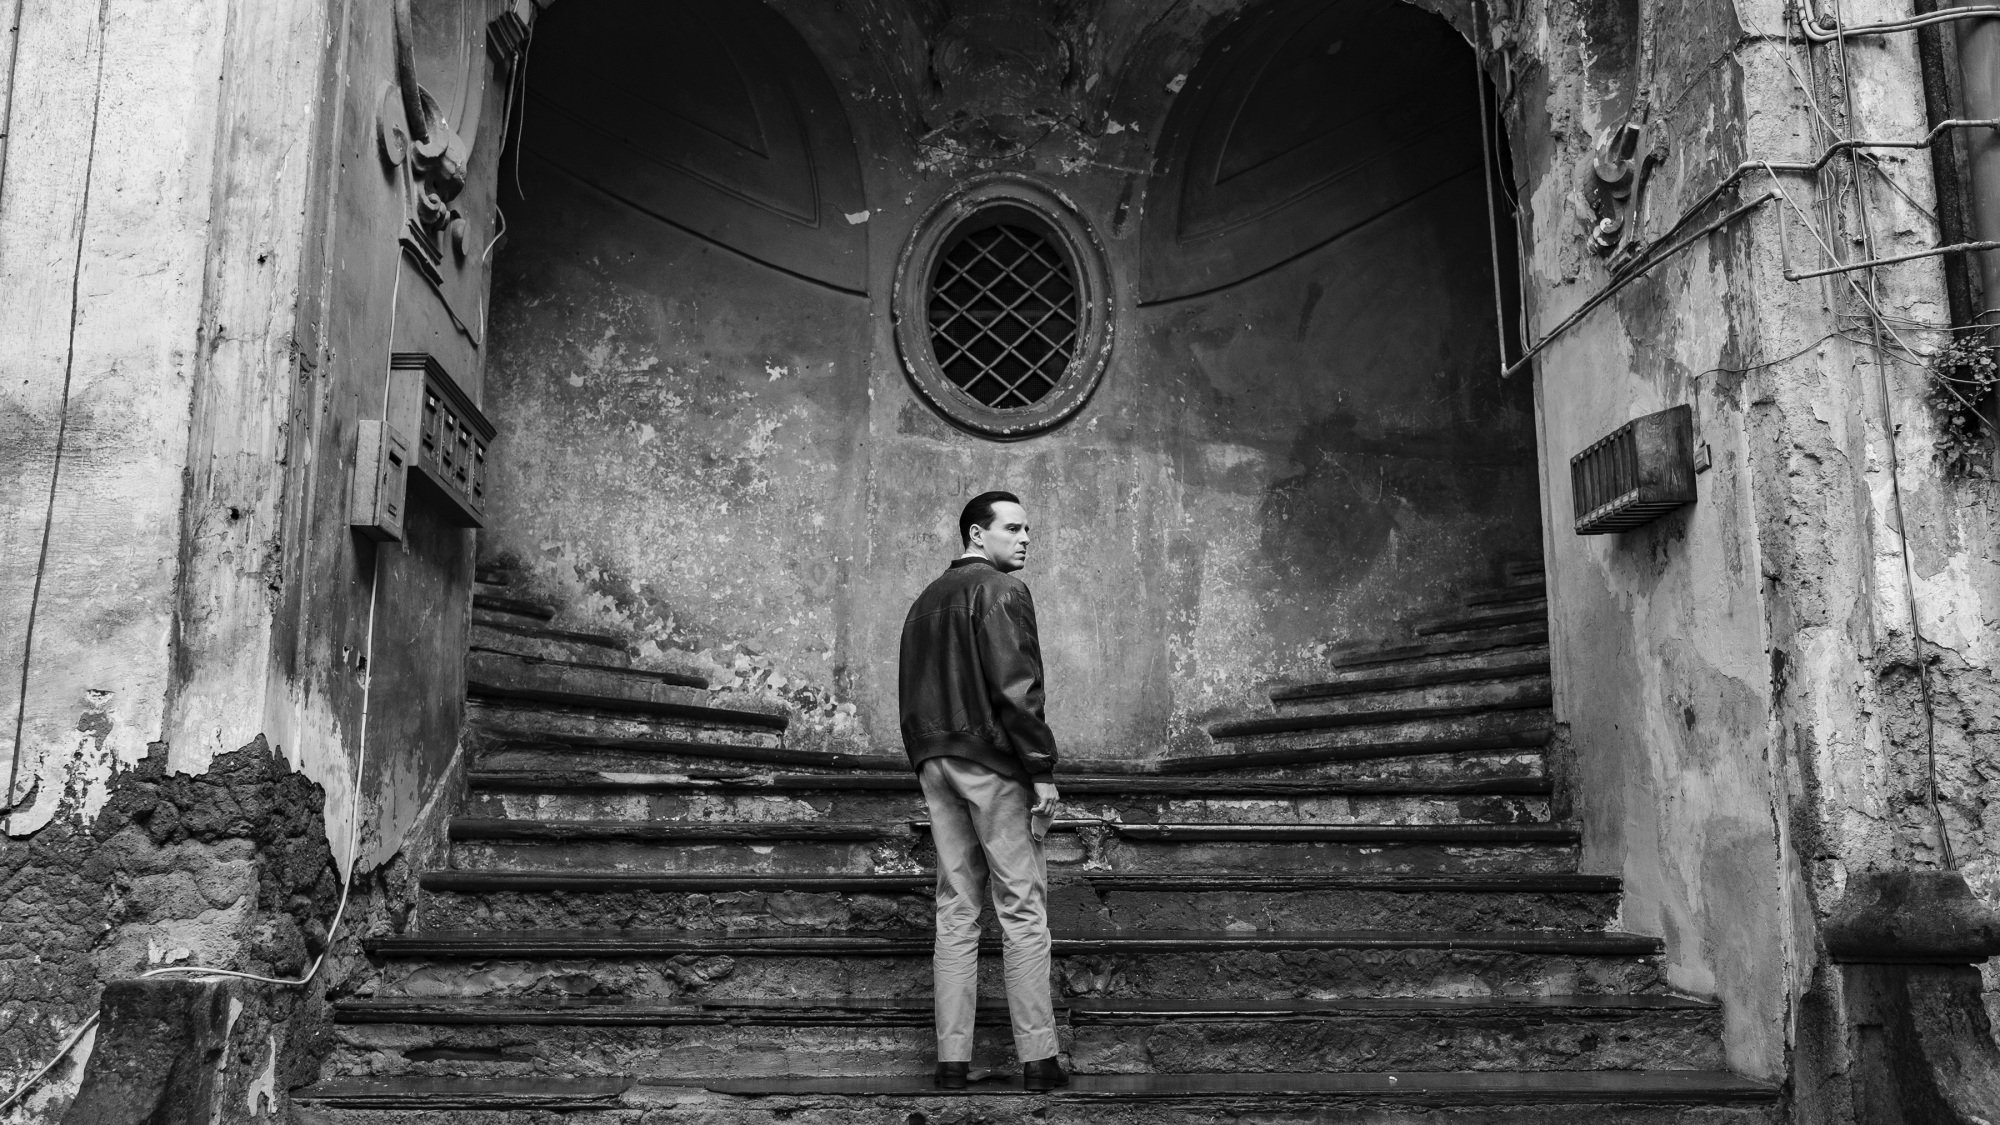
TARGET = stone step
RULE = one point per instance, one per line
(886, 796)
(1458, 696)
(1252, 741)
(1471, 618)
(683, 967)
(573, 736)
(503, 675)
(1535, 698)
(642, 845)
(1311, 763)
(655, 749)
(1522, 660)
(836, 1036)
(527, 898)
(500, 602)
(1377, 1098)
(1481, 640)
(1516, 572)
(552, 713)
(1528, 591)
(499, 632)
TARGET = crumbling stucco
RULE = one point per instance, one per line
(226, 869)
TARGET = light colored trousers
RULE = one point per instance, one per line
(979, 824)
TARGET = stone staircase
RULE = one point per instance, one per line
(1356, 909)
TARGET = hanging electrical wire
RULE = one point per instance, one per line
(1486, 174)
(1869, 299)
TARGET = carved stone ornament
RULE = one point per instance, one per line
(1002, 71)
(1615, 187)
(437, 154)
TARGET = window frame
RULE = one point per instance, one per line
(917, 270)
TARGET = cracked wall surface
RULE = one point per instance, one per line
(717, 458)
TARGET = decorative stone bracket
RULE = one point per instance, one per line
(1615, 188)
(1921, 1046)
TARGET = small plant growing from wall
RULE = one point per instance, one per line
(1962, 381)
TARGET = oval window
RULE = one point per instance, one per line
(1002, 308)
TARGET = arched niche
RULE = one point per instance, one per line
(711, 115)
(1302, 122)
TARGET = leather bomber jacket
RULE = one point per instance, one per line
(970, 674)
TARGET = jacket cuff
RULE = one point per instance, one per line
(1042, 779)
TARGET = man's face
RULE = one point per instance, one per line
(1005, 543)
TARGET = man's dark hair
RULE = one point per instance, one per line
(979, 510)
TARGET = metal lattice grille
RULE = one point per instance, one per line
(1003, 315)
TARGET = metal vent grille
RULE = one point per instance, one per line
(1635, 474)
(1003, 315)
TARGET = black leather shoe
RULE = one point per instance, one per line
(1043, 1075)
(951, 1076)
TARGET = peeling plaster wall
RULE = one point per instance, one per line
(1658, 633)
(726, 461)
(101, 250)
(200, 260)
(1738, 678)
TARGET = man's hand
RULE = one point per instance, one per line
(1045, 799)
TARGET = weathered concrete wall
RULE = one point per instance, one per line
(728, 460)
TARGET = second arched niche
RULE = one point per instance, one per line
(1302, 122)
(712, 115)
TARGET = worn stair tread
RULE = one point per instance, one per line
(1354, 833)
(845, 1010)
(1531, 739)
(495, 1094)
(667, 943)
(1290, 724)
(1361, 655)
(510, 828)
(1529, 665)
(559, 742)
(676, 679)
(550, 633)
(1071, 785)
(521, 607)
(1607, 1087)
(561, 830)
(518, 879)
(1465, 1087)
(508, 697)
(1492, 617)
(1531, 590)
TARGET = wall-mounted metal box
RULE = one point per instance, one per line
(1636, 473)
(381, 479)
(452, 436)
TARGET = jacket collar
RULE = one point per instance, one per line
(969, 560)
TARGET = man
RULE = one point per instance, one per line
(971, 700)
